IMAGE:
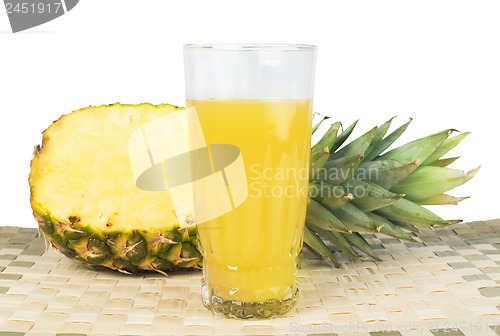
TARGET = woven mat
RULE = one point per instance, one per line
(449, 285)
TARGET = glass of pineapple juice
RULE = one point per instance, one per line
(259, 99)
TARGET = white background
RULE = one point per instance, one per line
(435, 61)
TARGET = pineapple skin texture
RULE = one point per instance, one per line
(128, 246)
(127, 251)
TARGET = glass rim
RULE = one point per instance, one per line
(251, 47)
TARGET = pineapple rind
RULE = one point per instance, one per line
(122, 250)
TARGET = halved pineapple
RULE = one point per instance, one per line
(84, 196)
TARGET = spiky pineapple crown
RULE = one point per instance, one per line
(359, 188)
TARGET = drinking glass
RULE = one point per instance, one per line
(254, 105)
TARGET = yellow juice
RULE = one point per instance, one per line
(250, 252)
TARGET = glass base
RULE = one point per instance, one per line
(248, 310)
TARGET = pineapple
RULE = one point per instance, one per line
(85, 200)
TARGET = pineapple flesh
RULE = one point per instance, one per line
(85, 199)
